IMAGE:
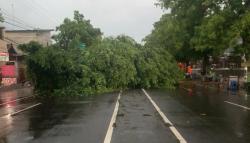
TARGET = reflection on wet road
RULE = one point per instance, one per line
(200, 115)
(73, 121)
(204, 116)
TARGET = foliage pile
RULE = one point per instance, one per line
(106, 64)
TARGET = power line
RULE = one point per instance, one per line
(15, 19)
(38, 11)
(45, 9)
(33, 6)
(11, 41)
(30, 7)
(18, 22)
(15, 25)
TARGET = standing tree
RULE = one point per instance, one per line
(176, 29)
(223, 27)
(75, 31)
(202, 28)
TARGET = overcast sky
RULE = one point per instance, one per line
(131, 17)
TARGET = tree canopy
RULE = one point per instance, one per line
(197, 28)
(76, 30)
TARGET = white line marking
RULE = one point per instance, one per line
(25, 109)
(244, 107)
(166, 120)
(108, 136)
(15, 100)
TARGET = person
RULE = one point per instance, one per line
(189, 71)
(181, 66)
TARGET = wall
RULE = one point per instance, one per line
(23, 37)
(4, 56)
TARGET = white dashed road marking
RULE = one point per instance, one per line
(25, 109)
(244, 107)
(108, 136)
(166, 120)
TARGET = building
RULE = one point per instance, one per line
(4, 55)
(12, 65)
(7, 69)
(42, 36)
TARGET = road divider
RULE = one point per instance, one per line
(241, 106)
(166, 120)
(109, 133)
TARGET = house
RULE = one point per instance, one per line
(4, 55)
(42, 36)
(7, 69)
(230, 67)
(12, 65)
(3, 47)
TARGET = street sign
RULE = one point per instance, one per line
(82, 45)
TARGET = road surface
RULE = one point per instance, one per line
(151, 116)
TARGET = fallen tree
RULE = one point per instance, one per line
(106, 64)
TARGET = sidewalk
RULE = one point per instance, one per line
(191, 84)
(13, 87)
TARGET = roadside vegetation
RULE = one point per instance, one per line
(196, 29)
(103, 64)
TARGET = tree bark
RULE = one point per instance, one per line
(205, 63)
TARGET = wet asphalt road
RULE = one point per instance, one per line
(76, 121)
(200, 116)
(138, 121)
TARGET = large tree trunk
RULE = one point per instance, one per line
(205, 63)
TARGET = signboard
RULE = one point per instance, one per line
(4, 57)
(82, 45)
(8, 71)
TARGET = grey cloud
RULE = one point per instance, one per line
(131, 17)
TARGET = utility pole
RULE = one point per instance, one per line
(13, 14)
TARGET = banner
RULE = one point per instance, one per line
(8, 71)
(4, 57)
